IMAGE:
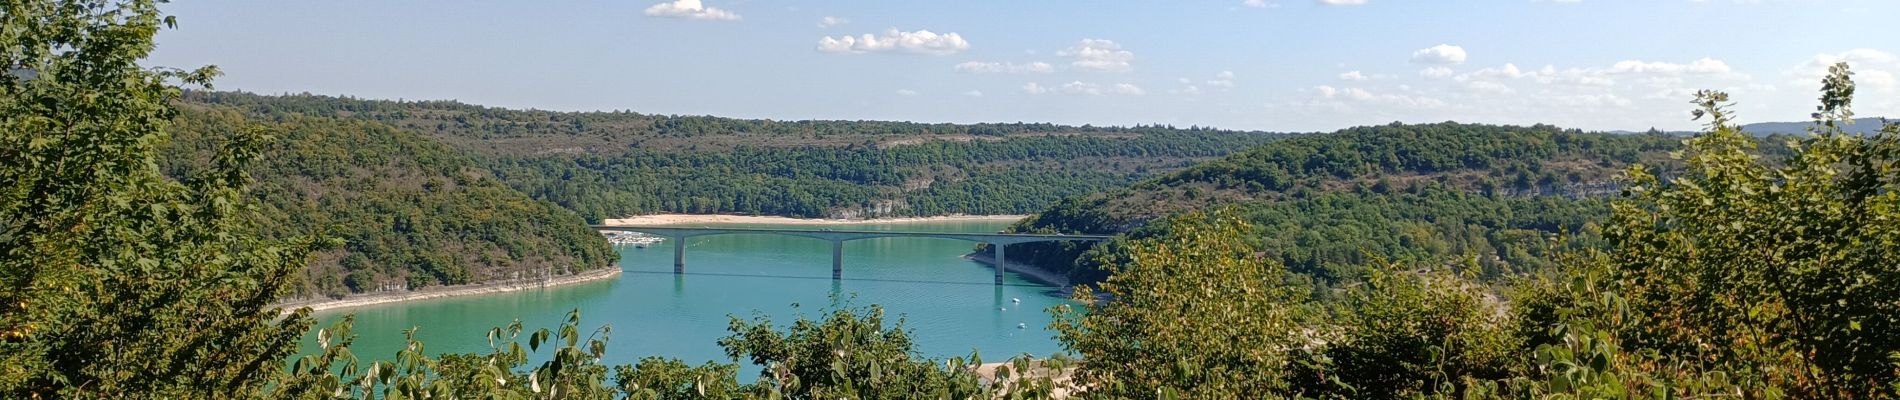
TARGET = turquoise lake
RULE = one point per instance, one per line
(950, 303)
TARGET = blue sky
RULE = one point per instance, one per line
(1285, 65)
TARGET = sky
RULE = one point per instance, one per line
(1278, 65)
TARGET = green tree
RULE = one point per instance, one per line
(1195, 313)
(852, 354)
(1417, 332)
(1785, 274)
(114, 281)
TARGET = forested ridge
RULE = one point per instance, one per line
(1329, 203)
(423, 204)
(411, 213)
(613, 164)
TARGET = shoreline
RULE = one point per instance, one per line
(677, 219)
(451, 291)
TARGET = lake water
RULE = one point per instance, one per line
(950, 303)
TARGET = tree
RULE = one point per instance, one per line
(1785, 274)
(1194, 313)
(1412, 333)
(114, 281)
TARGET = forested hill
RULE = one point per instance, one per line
(611, 164)
(1860, 126)
(412, 212)
(1329, 202)
(444, 193)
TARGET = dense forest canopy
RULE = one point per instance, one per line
(475, 201)
(1328, 203)
(614, 164)
(536, 131)
(412, 213)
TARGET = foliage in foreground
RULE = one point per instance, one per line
(1788, 276)
(1738, 278)
(114, 281)
(1195, 312)
(848, 354)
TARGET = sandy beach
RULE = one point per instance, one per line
(452, 291)
(679, 219)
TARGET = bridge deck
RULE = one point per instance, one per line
(999, 242)
(849, 235)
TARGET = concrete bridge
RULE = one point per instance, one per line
(998, 241)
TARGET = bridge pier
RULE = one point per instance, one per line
(1001, 263)
(998, 241)
(679, 255)
(837, 259)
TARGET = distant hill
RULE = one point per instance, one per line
(1861, 126)
(613, 164)
(1329, 203)
(412, 212)
(445, 193)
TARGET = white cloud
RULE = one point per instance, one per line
(1353, 76)
(1342, 2)
(1488, 87)
(1260, 4)
(973, 93)
(1870, 68)
(1033, 88)
(1652, 74)
(1099, 55)
(1443, 54)
(828, 22)
(1602, 96)
(1672, 93)
(1189, 90)
(1597, 100)
(1224, 79)
(1092, 89)
(1705, 66)
(916, 42)
(1339, 96)
(998, 67)
(690, 9)
(1507, 71)
(1875, 78)
(1878, 91)
(1435, 72)
(906, 92)
(1079, 87)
